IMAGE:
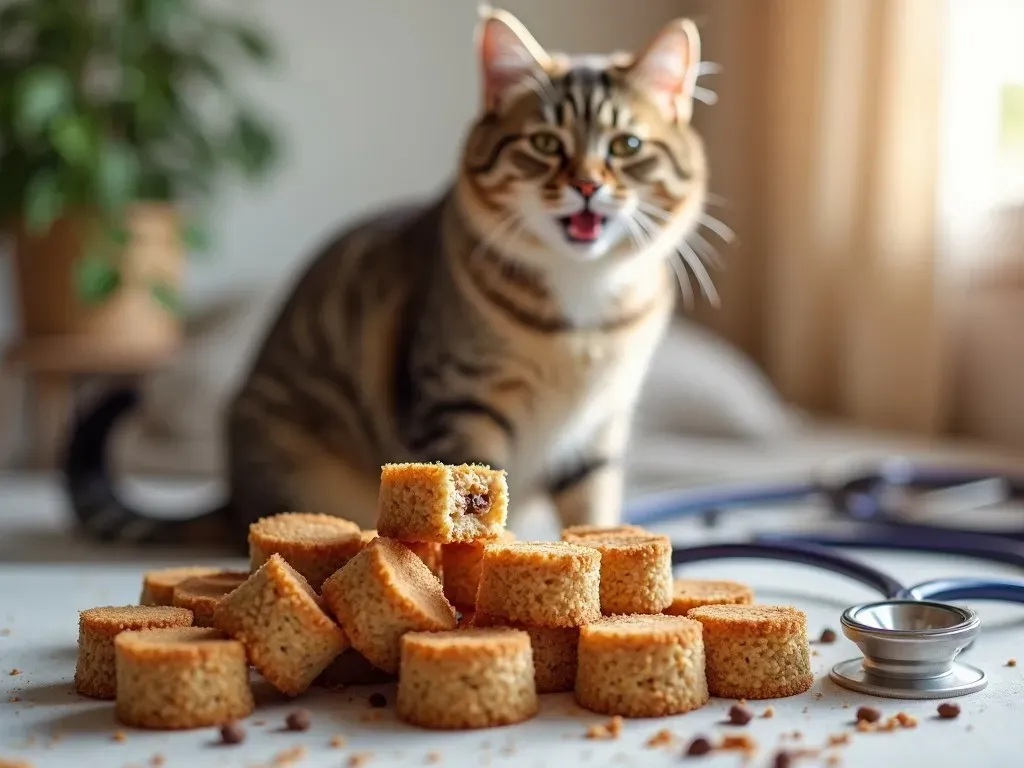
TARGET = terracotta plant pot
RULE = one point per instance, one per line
(131, 317)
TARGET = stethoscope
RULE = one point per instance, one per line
(910, 640)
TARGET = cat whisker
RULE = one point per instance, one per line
(683, 278)
(718, 201)
(707, 285)
(706, 251)
(719, 227)
(705, 95)
(708, 68)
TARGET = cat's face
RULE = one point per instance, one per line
(584, 159)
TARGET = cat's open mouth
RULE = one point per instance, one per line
(583, 227)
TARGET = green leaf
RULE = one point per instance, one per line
(195, 237)
(161, 14)
(254, 145)
(117, 175)
(42, 94)
(166, 295)
(96, 279)
(253, 42)
(44, 200)
(72, 137)
(118, 234)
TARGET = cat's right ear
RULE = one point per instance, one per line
(508, 55)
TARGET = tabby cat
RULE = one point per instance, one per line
(510, 322)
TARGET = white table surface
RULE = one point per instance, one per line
(46, 577)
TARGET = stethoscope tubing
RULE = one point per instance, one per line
(823, 557)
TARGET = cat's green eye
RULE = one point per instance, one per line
(546, 143)
(625, 145)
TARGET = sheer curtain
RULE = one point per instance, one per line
(825, 145)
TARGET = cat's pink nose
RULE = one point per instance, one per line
(586, 188)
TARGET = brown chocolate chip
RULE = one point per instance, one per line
(299, 720)
(949, 710)
(699, 746)
(782, 760)
(868, 715)
(740, 715)
(478, 503)
(378, 700)
(827, 636)
(232, 733)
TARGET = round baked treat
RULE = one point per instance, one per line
(441, 503)
(158, 586)
(576, 533)
(461, 565)
(469, 678)
(280, 620)
(95, 669)
(554, 652)
(351, 668)
(755, 651)
(384, 592)
(202, 594)
(540, 584)
(641, 666)
(181, 678)
(314, 545)
(691, 593)
(636, 572)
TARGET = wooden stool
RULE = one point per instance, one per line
(56, 367)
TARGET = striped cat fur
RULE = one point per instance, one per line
(509, 322)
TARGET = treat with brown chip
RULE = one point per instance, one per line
(95, 670)
(202, 594)
(755, 651)
(554, 653)
(469, 678)
(636, 572)
(461, 564)
(384, 592)
(576, 534)
(351, 668)
(441, 503)
(641, 666)
(540, 584)
(158, 586)
(314, 545)
(691, 593)
(280, 620)
(189, 677)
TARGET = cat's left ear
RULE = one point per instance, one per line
(666, 69)
(509, 55)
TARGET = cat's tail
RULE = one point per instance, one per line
(98, 508)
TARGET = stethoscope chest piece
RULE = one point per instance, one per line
(910, 649)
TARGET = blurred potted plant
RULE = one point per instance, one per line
(105, 147)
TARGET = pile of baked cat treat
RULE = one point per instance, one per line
(473, 624)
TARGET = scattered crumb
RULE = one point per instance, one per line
(742, 743)
(433, 757)
(299, 720)
(868, 715)
(864, 726)
(909, 721)
(948, 710)
(15, 671)
(833, 760)
(819, 696)
(838, 739)
(119, 736)
(662, 738)
(232, 733)
(157, 760)
(4, 763)
(372, 717)
(699, 746)
(827, 636)
(740, 715)
(768, 713)
(14, 699)
(358, 759)
(846, 705)
(337, 742)
(1011, 662)
(899, 720)
(289, 756)
(814, 652)
(609, 730)
(5, 632)
(782, 760)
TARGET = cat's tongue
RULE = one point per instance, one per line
(584, 225)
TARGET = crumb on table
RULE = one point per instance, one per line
(358, 759)
(838, 739)
(742, 742)
(768, 713)
(433, 757)
(337, 742)
(1011, 663)
(15, 671)
(289, 756)
(608, 730)
(157, 760)
(119, 736)
(661, 738)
